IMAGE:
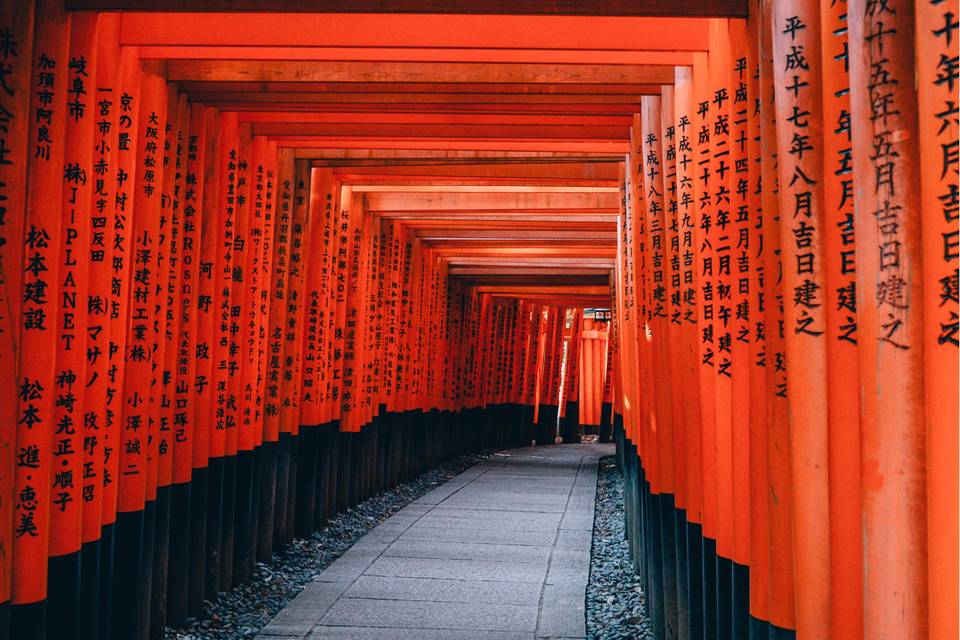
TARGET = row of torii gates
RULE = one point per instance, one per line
(263, 259)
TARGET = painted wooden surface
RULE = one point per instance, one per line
(254, 271)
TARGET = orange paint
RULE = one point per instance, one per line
(207, 170)
(39, 313)
(705, 298)
(18, 17)
(353, 248)
(138, 425)
(180, 232)
(655, 222)
(252, 321)
(742, 218)
(8, 411)
(720, 217)
(574, 348)
(222, 418)
(887, 206)
(846, 546)
(686, 135)
(800, 152)
(935, 43)
(71, 292)
(168, 265)
(262, 233)
(759, 552)
(273, 397)
(271, 208)
(673, 222)
(186, 430)
(779, 491)
(238, 373)
(293, 323)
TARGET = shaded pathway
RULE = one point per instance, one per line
(502, 551)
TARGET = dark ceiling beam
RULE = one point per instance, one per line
(303, 144)
(384, 157)
(494, 91)
(489, 201)
(510, 172)
(301, 71)
(470, 131)
(658, 8)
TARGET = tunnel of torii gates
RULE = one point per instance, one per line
(257, 266)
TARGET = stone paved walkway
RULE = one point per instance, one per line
(500, 552)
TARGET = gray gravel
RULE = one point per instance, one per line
(244, 611)
(615, 597)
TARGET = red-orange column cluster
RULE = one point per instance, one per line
(793, 228)
(237, 348)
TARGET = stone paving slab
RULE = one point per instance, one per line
(478, 494)
(505, 524)
(454, 569)
(372, 633)
(445, 590)
(480, 536)
(468, 551)
(407, 614)
(501, 552)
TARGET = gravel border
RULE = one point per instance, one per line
(615, 597)
(248, 607)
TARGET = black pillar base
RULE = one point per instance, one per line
(29, 621)
(199, 501)
(245, 511)
(570, 430)
(266, 504)
(284, 446)
(605, 430)
(547, 424)
(63, 595)
(306, 489)
(178, 572)
(213, 516)
(90, 591)
(128, 573)
(161, 562)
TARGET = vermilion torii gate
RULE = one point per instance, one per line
(262, 259)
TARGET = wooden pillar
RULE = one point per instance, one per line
(206, 169)
(779, 493)
(662, 401)
(228, 375)
(936, 50)
(221, 281)
(572, 379)
(8, 380)
(687, 167)
(887, 179)
(759, 536)
(796, 52)
(246, 248)
(187, 487)
(707, 301)
(134, 560)
(38, 319)
(718, 220)
(15, 142)
(71, 291)
(292, 336)
(742, 221)
(846, 547)
(273, 376)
